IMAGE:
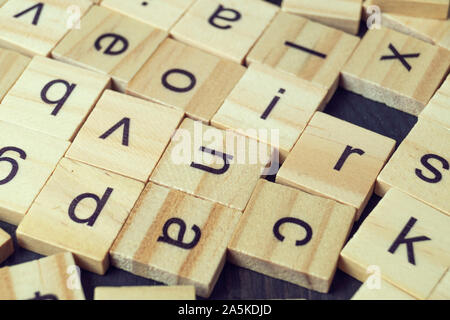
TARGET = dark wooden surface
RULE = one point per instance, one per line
(238, 283)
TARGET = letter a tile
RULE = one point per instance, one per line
(6, 246)
(81, 209)
(406, 240)
(175, 238)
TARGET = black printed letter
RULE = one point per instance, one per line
(224, 156)
(179, 242)
(60, 102)
(109, 50)
(167, 85)
(38, 7)
(125, 122)
(301, 223)
(100, 204)
(216, 15)
(14, 164)
(272, 104)
(347, 152)
(37, 296)
(437, 175)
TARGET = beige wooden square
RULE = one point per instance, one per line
(442, 290)
(340, 14)
(2, 2)
(438, 109)
(35, 27)
(149, 246)
(51, 278)
(53, 97)
(212, 164)
(380, 290)
(291, 235)
(275, 102)
(405, 240)
(81, 209)
(6, 246)
(431, 9)
(338, 160)
(145, 293)
(162, 14)
(396, 69)
(228, 28)
(12, 65)
(110, 43)
(420, 166)
(186, 78)
(305, 49)
(29, 159)
(125, 135)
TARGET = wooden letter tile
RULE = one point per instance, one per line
(338, 160)
(175, 238)
(438, 109)
(186, 78)
(51, 278)
(406, 240)
(81, 209)
(228, 28)
(267, 99)
(421, 166)
(145, 293)
(125, 135)
(396, 69)
(35, 27)
(12, 65)
(385, 291)
(442, 290)
(291, 235)
(6, 246)
(53, 97)
(431, 9)
(2, 2)
(110, 43)
(304, 48)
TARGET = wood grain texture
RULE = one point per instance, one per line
(207, 227)
(385, 291)
(376, 72)
(33, 33)
(96, 46)
(374, 245)
(145, 293)
(322, 162)
(12, 64)
(6, 246)
(431, 9)
(49, 228)
(231, 38)
(438, 109)
(186, 78)
(420, 166)
(442, 289)
(2, 2)
(58, 108)
(126, 140)
(51, 278)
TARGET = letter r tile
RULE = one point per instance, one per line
(81, 209)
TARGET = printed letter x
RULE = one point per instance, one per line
(401, 57)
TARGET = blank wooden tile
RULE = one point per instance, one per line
(12, 65)
(406, 239)
(432, 9)
(420, 166)
(305, 49)
(162, 14)
(6, 246)
(29, 159)
(386, 291)
(35, 27)
(228, 28)
(339, 14)
(186, 78)
(338, 160)
(53, 97)
(81, 209)
(212, 164)
(396, 69)
(149, 245)
(291, 235)
(145, 293)
(110, 43)
(51, 278)
(267, 99)
(438, 109)
(442, 289)
(125, 135)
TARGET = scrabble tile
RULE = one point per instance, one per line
(29, 159)
(128, 141)
(212, 164)
(406, 239)
(385, 291)
(420, 166)
(145, 293)
(81, 209)
(267, 99)
(396, 69)
(339, 14)
(51, 278)
(12, 65)
(2, 2)
(442, 290)
(110, 43)
(149, 246)
(162, 14)
(35, 27)
(228, 28)
(291, 235)
(337, 160)
(6, 246)
(53, 97)
(187, 79)
(305, 49)
(432, 9)
(438, 109)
